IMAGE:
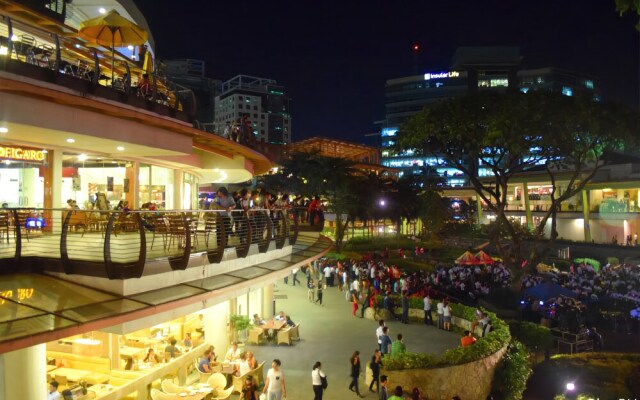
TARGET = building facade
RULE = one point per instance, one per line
(264, 102)
(472, 69)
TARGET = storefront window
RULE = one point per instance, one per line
(156, 185)
(84, 176)
(22, 172)
(190, 192)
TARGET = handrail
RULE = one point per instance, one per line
(118, 244)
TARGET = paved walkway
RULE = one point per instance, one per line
(330, 334)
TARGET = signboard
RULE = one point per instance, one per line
(441, 75)
(22, 154)
(76, 183)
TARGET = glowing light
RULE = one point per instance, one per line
(120, 148)
(70, 140)
(4, 129)
(4, 51)
(102, 10)
(82, 157)
(571, 387)
(130, 47)
(14, 38)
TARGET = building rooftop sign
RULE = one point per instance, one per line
(441, 75)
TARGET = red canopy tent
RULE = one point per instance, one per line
(467, 259)
(484, 258)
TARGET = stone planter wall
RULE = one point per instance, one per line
(469, 381)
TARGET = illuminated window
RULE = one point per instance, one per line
(502, 82)
(567, 91)
(540, 79)
(588, 83)
(524, 89)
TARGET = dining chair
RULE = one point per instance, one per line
(158, 395)
(224, 394)
(168, 386)
(217, 381)
(284, 336)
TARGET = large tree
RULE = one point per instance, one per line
(510, 133)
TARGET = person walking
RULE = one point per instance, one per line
(274, 384)
(355, 373)
(405, 307)
(319, 292)
(379, 333)
(354, 303)
(311, 291)
(316, 380)
(366, 302)
(428, 320)
(446, 315)
(440, 310)
(376, 363)
(383, 393)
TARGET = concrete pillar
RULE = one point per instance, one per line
(23, 374)
(267, 301)
(586, 210)
(178, 191)
(527, 206)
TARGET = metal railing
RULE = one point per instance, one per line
(119, 244)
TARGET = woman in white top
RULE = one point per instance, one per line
(316, 380)
(446, 313)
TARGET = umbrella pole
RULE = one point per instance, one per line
(113, 56)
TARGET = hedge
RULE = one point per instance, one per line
(484, 346)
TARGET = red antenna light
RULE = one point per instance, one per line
(416, 47)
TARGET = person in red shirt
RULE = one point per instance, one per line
(467, 339)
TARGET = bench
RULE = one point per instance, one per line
(95, 364)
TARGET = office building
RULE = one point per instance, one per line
(264, 102)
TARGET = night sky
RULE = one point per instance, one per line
(335, 56)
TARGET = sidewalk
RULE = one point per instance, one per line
(330, 334)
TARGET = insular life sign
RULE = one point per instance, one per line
(441, 75)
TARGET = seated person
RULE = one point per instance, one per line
(52, 393)
(233, 353)
(204, 365)
(213, 357)
(242, 367)
(289, 321)
(467, 339)
(151, 358)
(144, 86)
(281, 316)
(481, 319)
(251, 360)
(398, 347)
(187, 342)
(172, 349)
(257, 320)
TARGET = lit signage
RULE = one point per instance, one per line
(19, 295)
(22, 154)
(441, 75)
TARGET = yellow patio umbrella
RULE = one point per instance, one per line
(111, 29)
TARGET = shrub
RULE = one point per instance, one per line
(533, 336)
(484, 347)
(512, 373)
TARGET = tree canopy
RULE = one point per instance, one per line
(509, 133)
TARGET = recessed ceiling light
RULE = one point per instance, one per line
(120, 148)
(102, 10)
(4, 129)
(7, 162)
(82, 157)
(77, 46)
(45, 151)
(130, 47)
(14, 38)
(71, 140)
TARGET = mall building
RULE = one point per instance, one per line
(87, 288)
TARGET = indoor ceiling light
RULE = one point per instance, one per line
(102, 10)
(14, 38)
(82, 157)
(4, 129)
(120, 148)
(130, 47)
(4, 51)
(71, 140)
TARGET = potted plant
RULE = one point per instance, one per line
(239, 325)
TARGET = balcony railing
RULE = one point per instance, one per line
(69, 61)
(120, 244)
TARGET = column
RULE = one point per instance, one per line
(132, 195)
(267, 301)
(53, 191)
(178, 191)
(527, 206)
(585, 214)
(23, 374)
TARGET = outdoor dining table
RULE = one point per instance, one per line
(273, 324)
(73, 375)
(196, 396)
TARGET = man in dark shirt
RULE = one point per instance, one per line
(382, 393)
(405, 308)
(172, 349)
